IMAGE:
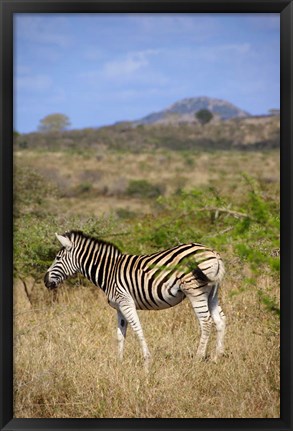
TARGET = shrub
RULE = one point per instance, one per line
(142, 188)
(125, 213)
(85, 187)
(204, 116)
(30, 191)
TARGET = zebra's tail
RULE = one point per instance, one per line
(212, 268)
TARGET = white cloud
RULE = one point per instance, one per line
(196, 27)
(33, 83)
(129, 65)
(227, 51)
(123, 67)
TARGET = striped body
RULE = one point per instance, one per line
(145, 282)
(154, 280)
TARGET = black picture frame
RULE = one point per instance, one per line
(8, 8)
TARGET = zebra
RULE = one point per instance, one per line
(146, 282)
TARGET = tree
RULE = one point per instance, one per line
(54, 123)
(274, 111)
(204, 116)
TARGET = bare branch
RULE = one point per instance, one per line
(224, 210)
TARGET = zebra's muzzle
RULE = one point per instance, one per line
(49, 284)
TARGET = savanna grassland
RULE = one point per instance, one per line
(65, 362)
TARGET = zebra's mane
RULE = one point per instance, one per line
(79, 233)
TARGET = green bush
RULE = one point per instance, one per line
(30, 191)
(85, 187)
(125, 213)
(143, 189)
(34, 246)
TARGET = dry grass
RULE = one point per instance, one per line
(66, 365)
(109, 177)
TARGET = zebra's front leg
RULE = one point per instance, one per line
(121, 333)
(128, 310)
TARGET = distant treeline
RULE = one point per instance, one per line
(251, 133)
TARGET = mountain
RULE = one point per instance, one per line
(184, 111)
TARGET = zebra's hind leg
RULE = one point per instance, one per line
(121, 333)
(199, 302)
(128, 310)
(219, 319)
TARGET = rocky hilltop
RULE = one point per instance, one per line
(183, 111)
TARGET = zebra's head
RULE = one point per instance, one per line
(63, 265)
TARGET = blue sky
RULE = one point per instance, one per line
(102, 68)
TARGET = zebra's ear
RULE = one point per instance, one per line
(64, 241)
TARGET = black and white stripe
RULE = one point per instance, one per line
(146, 282)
